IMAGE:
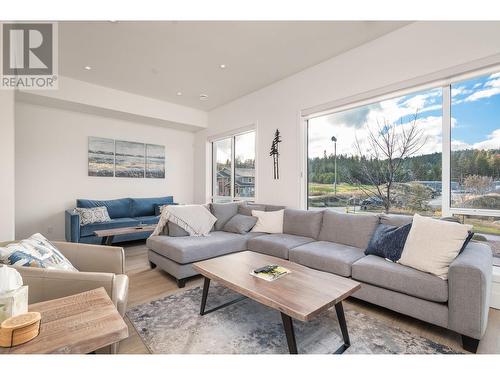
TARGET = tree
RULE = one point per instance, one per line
(478, 185)
(389, 145)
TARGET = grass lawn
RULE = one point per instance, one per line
(483, 226)
(325, 189)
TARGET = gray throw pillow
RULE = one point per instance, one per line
(223, 212)
(176, 231)
(246, 209)
(240, 224)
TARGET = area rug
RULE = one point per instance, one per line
(172, 325)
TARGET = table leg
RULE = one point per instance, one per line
(290, 334)
(109, 240)
(206, 286)
(343, 328)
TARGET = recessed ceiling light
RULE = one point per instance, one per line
(179, 93)
(87, 67)
(222, 66)
(203, 97)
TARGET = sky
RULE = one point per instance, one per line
(244, 147)
(475, 119)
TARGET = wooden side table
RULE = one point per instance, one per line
(78, 324)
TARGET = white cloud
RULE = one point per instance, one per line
(482, 94)
(492, 142)
(491, 87)
(461, 90)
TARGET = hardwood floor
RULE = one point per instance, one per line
(148, 284)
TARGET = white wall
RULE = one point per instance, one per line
(7, 171)
(416, 50)
(51, 165)
(93, 96)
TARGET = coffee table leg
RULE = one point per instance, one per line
(343, 328)
(290, 334)
(206, 286)
(109, 240)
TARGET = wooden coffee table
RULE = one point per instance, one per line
(78, 324)
(108, 235)
(302, 294)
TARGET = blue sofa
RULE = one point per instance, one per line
(124, 212)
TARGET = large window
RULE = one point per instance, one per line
(475, 143)
(234, 168)
(387, 156)
(384, 156)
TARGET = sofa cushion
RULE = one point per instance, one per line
(327, 256)
(395, 220)
(380, 272)
(348, 229)
(302, 223)
(147, 220)
(268, 222)
(240, 224)
(92, 215)
(35, 251)
(433, 244)
(388, 241)
(276, 245)
(117, 208)
(271, 207)
(223, 212)
(88, 230)
(191, 249)
(246, 209)
(146, 206)
(173, 230)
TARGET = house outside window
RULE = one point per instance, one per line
(234, 156)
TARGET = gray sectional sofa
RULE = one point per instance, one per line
(335, 242)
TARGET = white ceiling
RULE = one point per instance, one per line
(159, 59)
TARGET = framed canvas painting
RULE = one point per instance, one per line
(155, 161)
(101, 157)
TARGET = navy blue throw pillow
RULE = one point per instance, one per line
(388, 241)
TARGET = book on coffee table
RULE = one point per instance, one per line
(270, 272)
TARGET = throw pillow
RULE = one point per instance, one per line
(176, 231)
(35, 251)
(240, 224)
(246, 209)
(223, 212)
(433, 244)
(268, 222)
(388, 241)
(92, 215)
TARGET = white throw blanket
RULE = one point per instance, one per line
(194, 219)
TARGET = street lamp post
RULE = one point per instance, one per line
(334, 139)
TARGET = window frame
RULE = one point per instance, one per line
(378, 96)
(232, 137)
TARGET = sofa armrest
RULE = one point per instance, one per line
(72, 223)
(46, 284)
(93, 258)
(469, 283)
(120, 293)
